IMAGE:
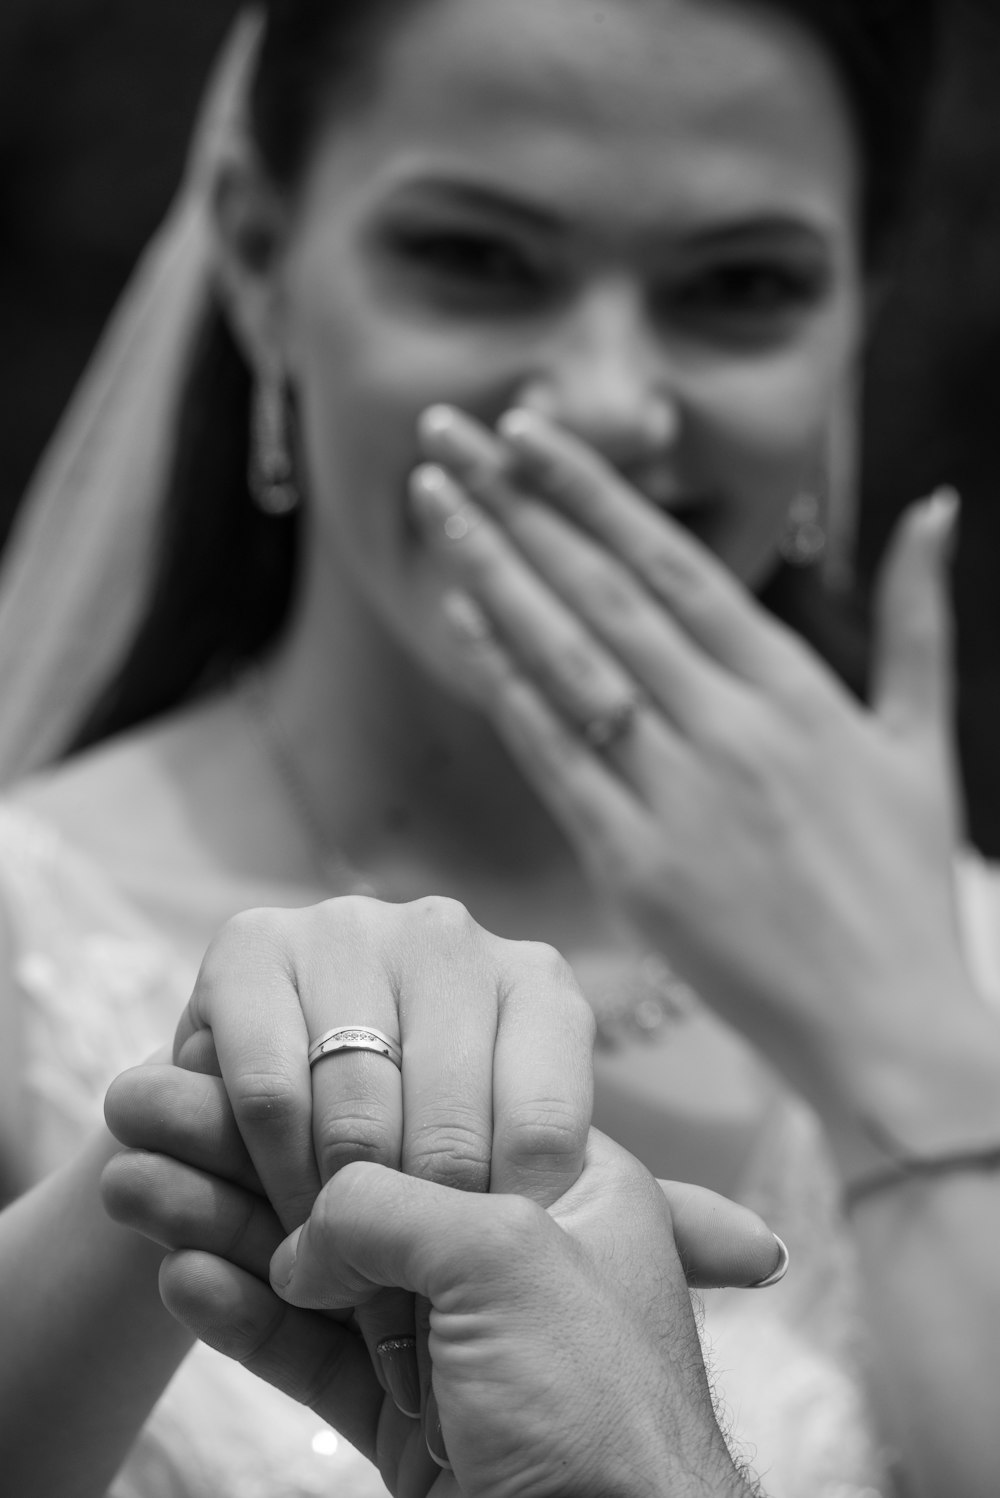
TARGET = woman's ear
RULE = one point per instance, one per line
(251, 226)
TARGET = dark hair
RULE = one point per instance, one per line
(225, 580)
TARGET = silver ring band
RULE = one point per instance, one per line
(605, 730)
(356, 1038)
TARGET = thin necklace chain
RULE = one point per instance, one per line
(334, 868)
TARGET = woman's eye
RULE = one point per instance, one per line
(755, 298)
(466, 259)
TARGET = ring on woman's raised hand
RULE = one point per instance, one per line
(605, 730)
(356, 1038)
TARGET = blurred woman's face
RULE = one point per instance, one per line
(597, 208)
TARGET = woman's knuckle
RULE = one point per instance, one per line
(575, 665)
(545, 961)
(674, 575)
(248, 941)
(448, 918)
(452, 1154)
(611, 592)
(342, 911)
(544, 1129)
(268, 1099)
(353, 1138)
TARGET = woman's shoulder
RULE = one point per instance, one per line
(98, 802)
(87, 984)
(156, 822)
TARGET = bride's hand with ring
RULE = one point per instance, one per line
(437, 1049)
(790, 850)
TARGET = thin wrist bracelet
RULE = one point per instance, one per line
(902, 1167)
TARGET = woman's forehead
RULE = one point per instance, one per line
(704, 97)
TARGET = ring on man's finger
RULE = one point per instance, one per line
(606, 730)
(356, 1038)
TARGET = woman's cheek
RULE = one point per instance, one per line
(772, 417)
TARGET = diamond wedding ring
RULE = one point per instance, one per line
(356, 1038)
(605, 730)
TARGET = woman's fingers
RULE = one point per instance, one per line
(594, 585)
(448, 1004)
(356, 1093)
(272, 985)
(720, 1242)
(574, 779)
(246, 995)
(311, 1358)
(913, 657)
(180, 1113)
(493, 1043)
(683, 577)
(578, 671)
(543, 1088)
(180, 1207)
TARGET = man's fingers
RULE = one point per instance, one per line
(718, 1241)
(373, 1228)
(184, 1208)
(314, 1360)
(185, 1114)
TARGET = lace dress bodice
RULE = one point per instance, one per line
(100, 990)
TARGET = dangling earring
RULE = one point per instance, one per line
(270, 474)
(803, 540)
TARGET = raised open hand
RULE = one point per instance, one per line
(790, 850)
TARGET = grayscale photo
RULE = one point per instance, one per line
(500, 749)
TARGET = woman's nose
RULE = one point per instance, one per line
(606, 378)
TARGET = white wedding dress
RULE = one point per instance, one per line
(100, 991)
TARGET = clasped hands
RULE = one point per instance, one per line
(479, 1292)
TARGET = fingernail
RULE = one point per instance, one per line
(283, 1262)
(436, 421)
(943, 506)
(518, 424)
(398, 1358)
(433, 1435)
(431, 482)
(778, 1272)
(466, 618)
(437, 498)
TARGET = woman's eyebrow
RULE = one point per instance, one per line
(455, 192)
(791, 229)
(803, 231)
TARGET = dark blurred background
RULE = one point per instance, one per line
(96, 98)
